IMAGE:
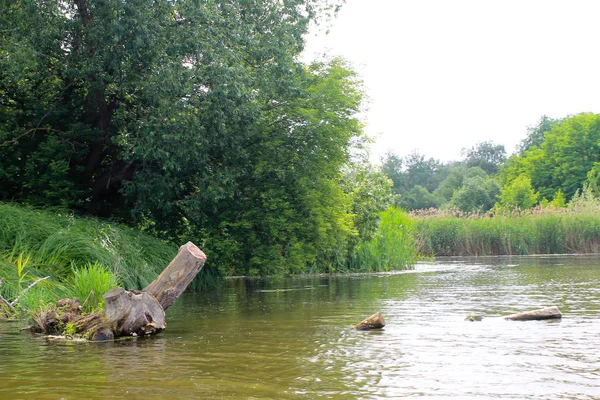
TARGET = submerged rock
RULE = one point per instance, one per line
(375, 321)
(542, 313)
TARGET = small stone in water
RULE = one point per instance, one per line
(375, 321)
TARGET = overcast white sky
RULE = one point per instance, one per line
(445, 74)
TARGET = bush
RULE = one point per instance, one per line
(392, 247)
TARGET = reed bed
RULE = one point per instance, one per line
(542, 230)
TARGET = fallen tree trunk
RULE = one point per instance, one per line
(543, 313)
(128, 312)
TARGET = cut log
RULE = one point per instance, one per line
(180, 272)
(543, 313)
(128, 312)
(375, 321)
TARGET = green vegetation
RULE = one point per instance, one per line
(563, 160)
(550, 230)
(192, 121)
(558, 159)
(469, 185)
(82, 257)
(391, 248)
(544, 200)
(196, 121)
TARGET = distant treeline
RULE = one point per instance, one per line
(545, 199)
(557, 161)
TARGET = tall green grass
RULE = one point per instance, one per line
(392, 247)
(537, 231)
(73, 252)
(90, 283)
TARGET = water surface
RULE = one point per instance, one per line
(293, 338)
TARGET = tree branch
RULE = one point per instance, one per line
(26, 290)
(14, 140)
(4, 302)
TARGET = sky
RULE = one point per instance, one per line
(443, 75)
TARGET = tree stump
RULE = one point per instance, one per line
(180, 272)
(543, 313)
(375, 321)
(129, 312)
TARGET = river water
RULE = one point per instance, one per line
(293, 338)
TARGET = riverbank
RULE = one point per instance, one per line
(573, 230)
(46, 255)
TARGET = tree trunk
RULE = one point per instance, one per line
(171, 283)
(543, 313)
(129, 312)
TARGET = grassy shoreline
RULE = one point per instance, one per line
(82, 257)
(62, 255)
(574, 230)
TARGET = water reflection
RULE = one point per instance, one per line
(273, 339)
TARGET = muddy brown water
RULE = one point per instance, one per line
(293, 338)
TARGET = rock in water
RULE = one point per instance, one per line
(474, 317)
(375, 321)
(543, 313)
(103, 334)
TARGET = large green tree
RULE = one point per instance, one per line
(563, 159)
(190, 119)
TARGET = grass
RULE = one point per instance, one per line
(90, 283)
(80, 256)
(542, 230)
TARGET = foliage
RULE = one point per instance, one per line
(592, 182)
(392, 248)
(192, 120)
(518, 194)
(559, 200)
(75, 253)
(412, 170)
(371, 191)
(485, 155)
(562, 162)
(536, 134)
(54, 241)
(418, 198)
(453, 182)
(477, 193)
(392, 167)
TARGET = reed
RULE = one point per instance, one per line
(542, 230)
(392, 247)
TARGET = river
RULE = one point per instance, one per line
(293, 338)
